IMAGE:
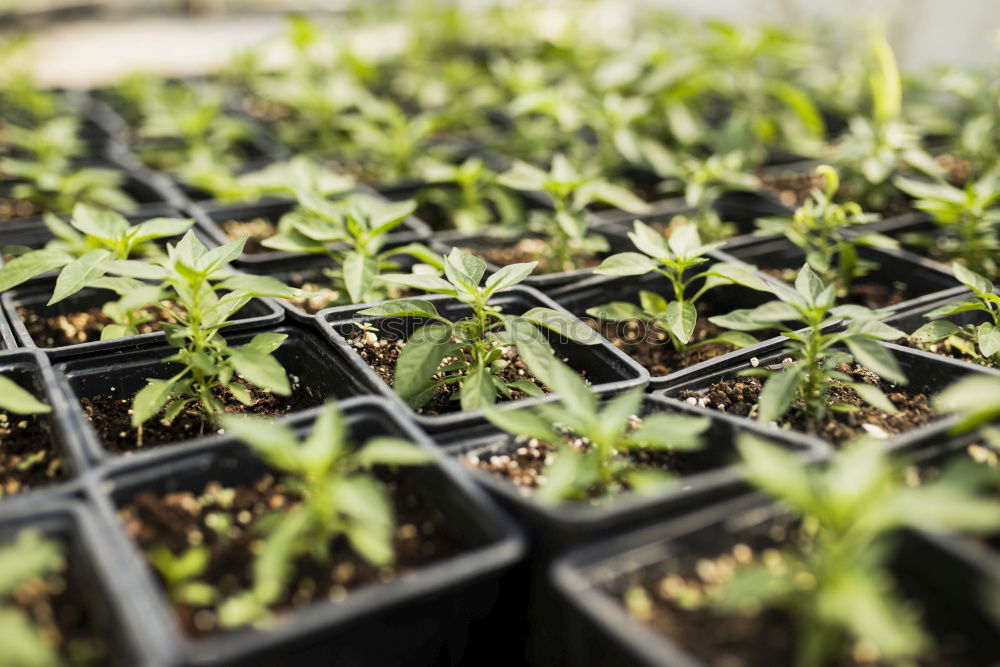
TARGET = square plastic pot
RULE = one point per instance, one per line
(31, 370)
(257, 313)
(926, 281)
(599, 290)
(305, 356)
(927, 374)
(603, 633)
(91, 572)
(607, 367)
(420, 618)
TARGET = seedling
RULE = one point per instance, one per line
(383, 142)
(976, 401)
(470, 351)
(25, 560)
(185, 285)
(820, 227)
(180, 574)
(674, 259)
(570, 192)
(339, 496)
(470, 194)
(15, 399)
(57, 188)
(806, 383)
(54, 142)
(91, 236)
(610, 432)
(978, 341)
(967, 216)
(835, 585)
(353, 232)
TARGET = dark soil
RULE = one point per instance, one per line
(945, 348)
(111, 418)
(75, 328)
(28, 457)
(651, 346)
(957, 169)
(792, 187)
(14, 211)
(56, 606)
(868, 294)
(184, 519)
(256, 230)
(739, 396)
(669, 595)
(381, 354)
(529, 249)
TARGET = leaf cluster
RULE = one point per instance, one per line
(982, 340)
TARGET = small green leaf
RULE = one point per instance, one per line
(626, 264)
(876, 358)
(563, 324)
(78, 273)
(935, 331)
(384, 450)
(874, 396)
(420, 359)
(360, 273)
(778, 392)
(260, 369)
(681, 319)
(478, 390)
(402, 308)
(150, 399)
(17, 400)
(617, 311)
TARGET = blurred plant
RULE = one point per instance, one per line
(27, 559)
(470, 195)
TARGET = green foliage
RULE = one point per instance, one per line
(570, 192)
(603, 467)
(91, 232)
(27, 558)
(339, 497)
(981, 340)
(180, 574)
(967, 216)
(975, 399)
(57, 187)
(674, 259)
(353, 231)
(192, 285)
(821, 228)
(836, 585)
(15, 399)
(817, 352)
(470, 351)
(471, 194)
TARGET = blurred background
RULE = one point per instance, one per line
(82, 43)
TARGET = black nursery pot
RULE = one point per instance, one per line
(924, 281)
(591, 581)
(257, 313)
(607, 367)
(306, 358)
(617, 242)
(927, 374)
(599, 290)
(104, 593)
(423, 617)
(31, 371)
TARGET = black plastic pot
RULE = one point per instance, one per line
(102, 587)
(599, 290)
(423, 617)
(211, 215)
(31, 370)
(7, 339)
(603, 633)
(927, 374)
(925, 281)
(546, 282)
(607, 368)
(257, 313)
(907, 229)
(306, 357)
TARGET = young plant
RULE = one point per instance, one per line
(15, 399)
(338, 496)
(806, 383)
(57, 188)
(54, 142)
(975, 399)
(674, 259)
(353, 232)
(570, 192)
(92, 233)
(470, 195)
(470, 351)
(836, 586)
(185, 286)
(820, 227)
(610, 433)
(23, 561)
(180, 574)
(978, 341)
(968, 217)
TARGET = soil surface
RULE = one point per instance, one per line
(57, 607)
(14, 211)
(869, 294)
(111, 418)
(650, 346)
(75, 328)
(227, 522)
(791, 186)
(381, 354)
(739, 396)
(946, 348)
(528, 250)
(28, 457)
(256, 230)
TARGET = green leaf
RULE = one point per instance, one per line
(935, 331)
(31, 264)
(420, 358)
(989, 339)
(464, 269)
(770, 313)
(267, 342)
(735, 338)
(260, 369)
(778, 392)
(681, 319)
(740, 275)
(159, 228)
(478, 390)
(276, 444)
(564, 325)
(421, 281)
(370, 532)
(524, 423)
(617, 311)
(257, 286)
(78, 273)
(384, 450)
(24, 643)
(626, 264)
(101, 223)
(507, 277)
(402, 308)
(567, 472)
(873, 356)
(671, 431)
(684, 240)
(17, 400)
(873, 395)
(967, 398)
(360, 273)
(150, 399)
(808, 284)
(972, 279)
(775, 471)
